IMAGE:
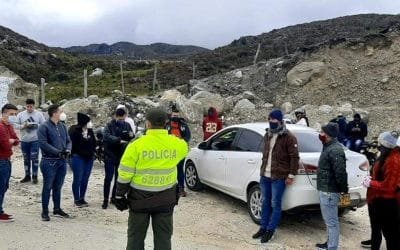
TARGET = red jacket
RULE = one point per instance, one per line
(211, 124)
(6, 133)
(385, 183)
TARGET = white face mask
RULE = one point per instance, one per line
(63, 117)
(89, 125)
(12, 119)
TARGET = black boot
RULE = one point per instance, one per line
(34, 179)
(260, 233)
(105, 204)
(27, 178)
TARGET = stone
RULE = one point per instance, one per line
(238, 74)
(268, 105)
(286, 108)
(325, 109)
(244, 107)
(385, 80)
(208, 99)
(191, 110)
(346, 109)
(97, 72)
(304, 72)
(93, 98)
(249, 95)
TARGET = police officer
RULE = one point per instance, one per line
(147, 179)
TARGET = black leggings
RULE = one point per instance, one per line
(383, 215)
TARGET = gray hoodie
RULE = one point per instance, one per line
(28, 123)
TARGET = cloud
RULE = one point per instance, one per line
(205, 23)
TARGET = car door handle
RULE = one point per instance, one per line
(221, 158)
(251, 161)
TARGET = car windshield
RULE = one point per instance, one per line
(308, 142)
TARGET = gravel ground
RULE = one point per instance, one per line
(202, 220)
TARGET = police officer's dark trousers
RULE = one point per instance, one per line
(138, 223)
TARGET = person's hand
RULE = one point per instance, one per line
(289, 181)
(367, 181)
(121, 203)
(12, 141)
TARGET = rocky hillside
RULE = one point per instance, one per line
(131, 50)
(288, 40)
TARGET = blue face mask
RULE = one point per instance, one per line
(273, 125)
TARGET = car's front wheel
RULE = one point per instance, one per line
(191, 177)
(254, 202)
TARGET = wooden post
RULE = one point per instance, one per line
(85, 83)
(258, 51)
(43, 99)
(194, 71)
(122, 79)
(155, 78)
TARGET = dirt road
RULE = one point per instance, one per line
(203, 220)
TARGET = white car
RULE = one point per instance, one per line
(230, 161)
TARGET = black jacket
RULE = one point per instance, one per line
(84, 147)
(331, 174)
(113, 134)
(356, 130)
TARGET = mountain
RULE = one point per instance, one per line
(131, 50)
(297, 38)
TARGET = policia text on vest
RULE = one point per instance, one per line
(148, 175)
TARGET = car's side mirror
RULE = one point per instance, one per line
(203, 145)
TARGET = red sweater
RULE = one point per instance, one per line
(6, 133)
(386, 187)
(211, 123)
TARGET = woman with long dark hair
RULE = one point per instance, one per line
(382, 187)
(83, 151)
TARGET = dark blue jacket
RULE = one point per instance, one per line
(113, 133)
(53, 139)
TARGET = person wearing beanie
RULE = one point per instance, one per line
(127, 118)
(116, 136)
(280, 163)
(147, 179)
(382, 194)
(83, 151)
(331, 182)
(356, 131)
(211, 123)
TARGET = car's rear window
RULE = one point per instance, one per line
(308, 142)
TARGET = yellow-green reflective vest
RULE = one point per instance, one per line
(149, 163)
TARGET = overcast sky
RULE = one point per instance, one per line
(207, 23)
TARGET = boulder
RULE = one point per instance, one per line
(208, 99)
(249, 95)
(326, 109)
(238, 74)
(97, 72)
(191, 110)
(346, 109)
(286, 108)
(304, 72)
(169, 96)
(244, 107)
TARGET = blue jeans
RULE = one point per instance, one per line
(111, 170)
(30, 151)
(53, 171)
(354, 144)
(5, 174)
(81, 169)
(271, 209)
(181, 174)
(329, 209)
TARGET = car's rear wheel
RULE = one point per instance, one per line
(191, 177)
(254, 202)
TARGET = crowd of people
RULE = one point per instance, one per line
(148, 171)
